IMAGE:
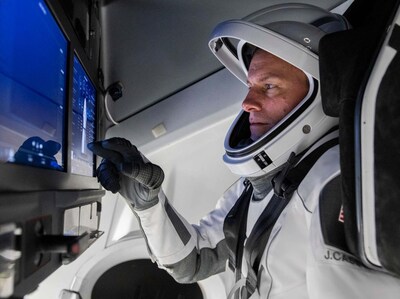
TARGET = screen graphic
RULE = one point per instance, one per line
(33, 62)
(83, 121)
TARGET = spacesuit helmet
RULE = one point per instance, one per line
(292, 33)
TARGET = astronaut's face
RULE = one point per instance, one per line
(275, 88)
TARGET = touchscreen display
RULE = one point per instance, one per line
(83, 121)
(33, 62)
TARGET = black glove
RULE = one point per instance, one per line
(126, 171)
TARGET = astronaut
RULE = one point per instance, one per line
(265, 230)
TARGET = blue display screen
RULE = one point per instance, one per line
(83, 121)
(33, 62)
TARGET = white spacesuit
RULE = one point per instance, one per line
(266, 229)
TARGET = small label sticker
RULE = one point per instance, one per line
(262, 159)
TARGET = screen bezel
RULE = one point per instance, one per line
(23, 178)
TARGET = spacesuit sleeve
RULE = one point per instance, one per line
(188, 252)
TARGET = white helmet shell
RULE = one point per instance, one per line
(292, 33)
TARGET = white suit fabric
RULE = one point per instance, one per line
(296, 264)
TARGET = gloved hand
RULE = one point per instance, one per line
(126, 171)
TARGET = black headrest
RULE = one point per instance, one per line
(347, 56)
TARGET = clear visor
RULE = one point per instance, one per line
(230, 37)
(238, 142)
